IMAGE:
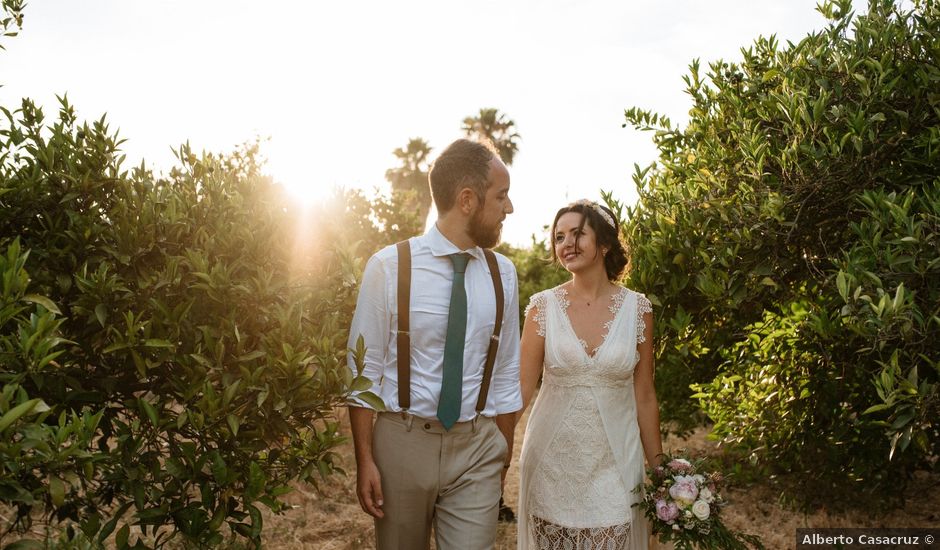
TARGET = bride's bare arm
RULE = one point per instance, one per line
(647, 408)
(531, 355)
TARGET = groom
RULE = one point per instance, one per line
(439, 317)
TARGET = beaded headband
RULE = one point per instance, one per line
(597, 208)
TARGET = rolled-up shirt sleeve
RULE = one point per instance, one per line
(371, 321)
(505, 390)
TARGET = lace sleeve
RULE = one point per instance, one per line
(539, 302)
(643, 306)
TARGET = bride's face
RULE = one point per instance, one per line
(575, 249)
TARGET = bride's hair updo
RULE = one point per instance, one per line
(606, 227)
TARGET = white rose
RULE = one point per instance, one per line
(700, 509)
(706, 495)
(698, 478)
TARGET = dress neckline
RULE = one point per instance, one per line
(617, 300)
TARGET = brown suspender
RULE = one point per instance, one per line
(404, 337)
(404, 326)
(494, 339)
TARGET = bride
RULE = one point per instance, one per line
(596, 415)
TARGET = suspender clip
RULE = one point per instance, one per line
(408, 418)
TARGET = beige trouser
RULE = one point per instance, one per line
(450, 478)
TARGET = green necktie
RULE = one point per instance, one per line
(448, 409)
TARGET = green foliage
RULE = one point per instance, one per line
(367, 225)
(492, 125)
(789, 236)
(409, 181)
(11, 16)
(535, 270)
(172, 348)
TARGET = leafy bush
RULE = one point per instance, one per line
(790, 235)
(172, 347)
(11, 18)
(534, 268)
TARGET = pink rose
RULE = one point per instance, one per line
(680, 464)
(684, 490)
(666, 511)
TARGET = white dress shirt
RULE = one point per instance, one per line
(432, 274)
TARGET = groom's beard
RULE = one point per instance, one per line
(483, 236)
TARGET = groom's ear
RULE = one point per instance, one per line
(467, 201)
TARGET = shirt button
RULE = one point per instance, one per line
(427, 426)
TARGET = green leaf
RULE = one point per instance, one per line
(57, 491)
(20, 410)
(361, 383)
(150, 411)
(43, 301)
(257, 523)
(372, 400)
(219, 468)
(112, 523)
(233, 423)
(256, 480)
(230, 392)
(257, 354)
(115, 347)
(770, 75)
(120, 540)
(902, 421)
(152, 516)
(101, 313)
(157, 343)
(876, 408)
(91, 525)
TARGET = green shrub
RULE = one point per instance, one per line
(535, 270)
(172, 348)
(790, 236)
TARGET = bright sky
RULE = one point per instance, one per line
(337, 86)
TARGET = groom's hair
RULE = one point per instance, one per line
(464, 163)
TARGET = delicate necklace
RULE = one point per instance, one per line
(587, 301)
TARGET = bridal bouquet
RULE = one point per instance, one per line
(683, 505)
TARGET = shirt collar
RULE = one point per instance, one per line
(441, 245)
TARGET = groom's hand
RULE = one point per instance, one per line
(368, 480)
(369, 489)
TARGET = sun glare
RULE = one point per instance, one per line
(293, 168)
(309, 179)
(299, 183)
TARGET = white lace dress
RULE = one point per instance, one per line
(582, 455)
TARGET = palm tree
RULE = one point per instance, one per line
(501, 131)
(410, 179)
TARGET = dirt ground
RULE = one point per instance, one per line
(333, 520)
